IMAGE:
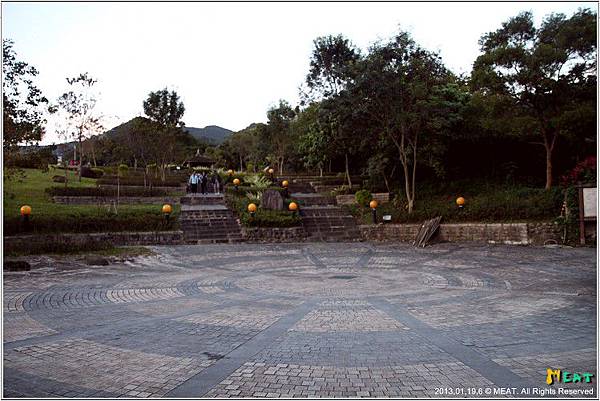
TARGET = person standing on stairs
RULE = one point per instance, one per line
(203, 181)
(194, 183)
(216, 181)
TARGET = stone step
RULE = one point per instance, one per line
(198, 199)
(329, 223)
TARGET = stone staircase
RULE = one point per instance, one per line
(206, 219)
(329, 223)
(322, 219)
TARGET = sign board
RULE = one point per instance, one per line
(589, 202)
(387, 217)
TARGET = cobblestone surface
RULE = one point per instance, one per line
(302, 320)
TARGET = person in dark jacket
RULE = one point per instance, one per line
(203, 182)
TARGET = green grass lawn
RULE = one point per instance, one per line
(47, 216)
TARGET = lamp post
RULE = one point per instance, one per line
(252, 209)
(373, 205)
(236, 182)
(285, 185)
(460, 201)
(25, 212)
(230, 173)
(293, 207)
(271, 172)
(167, 209)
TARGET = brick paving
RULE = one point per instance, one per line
(303, 320)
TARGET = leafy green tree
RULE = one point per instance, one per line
(540, 76)
(331, 69)
(23, 105)
(395, 89)
(82, 120)
(279, 131)
(165, 111)
(313, 141)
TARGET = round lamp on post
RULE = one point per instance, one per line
(167, 209)
(25, 212)
(285, 185)
(271, 172)
(236, 182)
(252, 209)
(373, 205)
(460, 201)
(293, 207)
(230, 172)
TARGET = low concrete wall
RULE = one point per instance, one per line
(123, 200)
(178, 189)
(382, 197)
(274, 234)
(23, 243)
(498, 233)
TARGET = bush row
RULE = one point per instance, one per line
(525, 204)
(100, 192)
(139, 181)
(89, 223)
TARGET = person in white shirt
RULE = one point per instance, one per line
(194, 183)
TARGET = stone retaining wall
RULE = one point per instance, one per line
(23, 243)
(498, 233)
(123, 200)
(274, 234)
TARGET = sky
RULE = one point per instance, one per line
(229, 62)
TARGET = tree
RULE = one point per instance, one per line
(331, 69)
(542, 72)
(278, 127)
(313, 141)
(79, 104)
(394, 90)
(165, 110)
(23, 104)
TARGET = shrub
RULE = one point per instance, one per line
(102, 222)
(262, 217)
(94, 191)
(363, 197)
(139, 181)
(91, 172)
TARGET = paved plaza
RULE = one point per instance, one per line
(303, 320)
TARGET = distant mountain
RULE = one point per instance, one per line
(213, 134)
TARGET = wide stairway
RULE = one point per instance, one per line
(206, 219)
(322, 219)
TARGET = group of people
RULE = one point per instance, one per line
(201, 179)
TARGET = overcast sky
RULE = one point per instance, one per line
(229, 62)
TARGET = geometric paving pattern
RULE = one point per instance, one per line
(303, 320)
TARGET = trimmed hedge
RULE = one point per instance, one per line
(105, 192)
(103, 222)
(139, 181)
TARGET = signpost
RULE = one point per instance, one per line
(587, 208)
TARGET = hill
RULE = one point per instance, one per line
(213, 134)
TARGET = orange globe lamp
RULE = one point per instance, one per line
(236, 182)
(460, 201)
(271, 171)
(373, 204)
(167, 209)
(293, 206)
(230, 172)
(252, 208)
(25, 210)
(285, 184)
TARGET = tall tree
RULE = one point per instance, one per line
(279, 131)
(394, 89)
(79, 104)
(23, 105)
(331, 68)
(165, 110)
(541, 71)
